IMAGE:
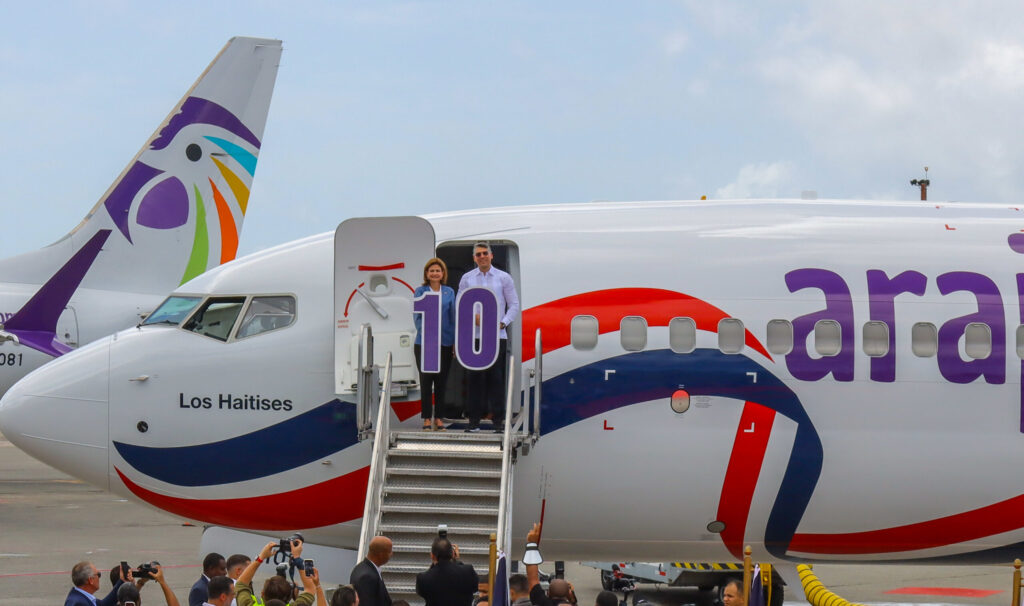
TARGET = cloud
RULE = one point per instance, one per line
(675, 43)
(759, 181)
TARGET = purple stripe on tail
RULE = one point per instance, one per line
(200, 111)
(35, 324)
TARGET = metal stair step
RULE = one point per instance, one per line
(447, 436)
(431, 529)
(445, 454)
(482, 548)
(447, 490)
(413, 470)
(443, 509)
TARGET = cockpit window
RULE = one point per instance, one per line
(265, 314)
(173, 310)
(216, 317)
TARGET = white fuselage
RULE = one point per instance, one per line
(801, 455)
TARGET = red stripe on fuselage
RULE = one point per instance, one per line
(332, 502)
(748, 451)
(997, 518)
(656, 305)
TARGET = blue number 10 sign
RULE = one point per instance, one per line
(477, 329)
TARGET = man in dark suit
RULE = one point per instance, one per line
(366, 575)
(86, 580)
(448, 582)
(213, 566)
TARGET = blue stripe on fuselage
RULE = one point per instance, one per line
(648, 375)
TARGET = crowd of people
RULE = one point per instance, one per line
(447, 581)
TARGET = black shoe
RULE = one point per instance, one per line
(473, 429)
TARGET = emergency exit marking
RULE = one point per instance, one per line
(606, 426)
(608, 373)
(751, 430)
(752, 375)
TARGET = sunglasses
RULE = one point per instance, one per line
(482, 253)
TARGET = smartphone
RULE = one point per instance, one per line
(124, 570)
(307, 566)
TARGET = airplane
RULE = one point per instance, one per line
(174, 212)
(825, 381)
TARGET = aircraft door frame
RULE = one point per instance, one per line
(378, 263)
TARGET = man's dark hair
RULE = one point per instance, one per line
(237, 559)
(345, 596)
(275, 602)
(115, 574)
(211, 560)
(518, 583)
(219, 586)
(128, 593)
(277, 588)
(442, 549)
(607, 598)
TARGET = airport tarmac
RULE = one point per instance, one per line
(49, 521)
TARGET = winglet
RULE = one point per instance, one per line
(35, 324)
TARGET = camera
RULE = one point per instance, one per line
(146, 571)
(307, 567)
(282, 570)
(442, 531)
(286, 544)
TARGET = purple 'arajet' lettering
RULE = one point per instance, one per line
(429, 306)
(990, 312)
(838, 307)
(882, 292)
(1020, 306)
(470, 304)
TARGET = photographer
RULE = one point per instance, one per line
(448, 582)
(560, 591)
(276, 587)
(86, 580)
(131, 594)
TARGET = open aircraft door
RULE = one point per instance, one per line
(378, 262)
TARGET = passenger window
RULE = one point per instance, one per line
(633, 333)
(583, 332)
(682, 335)
(1020, 341)
(173, 310)
(876, 339)
(827, 337)
(780, 337)
(265, 314)
(924, 339)
(216, 317)
(978, 340)
(730, 335)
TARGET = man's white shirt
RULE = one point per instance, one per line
(499, 283)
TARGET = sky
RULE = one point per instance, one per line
(391, 108)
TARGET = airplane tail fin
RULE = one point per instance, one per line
(177, 209)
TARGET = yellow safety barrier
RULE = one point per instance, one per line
(817, 594)
(1016, 583)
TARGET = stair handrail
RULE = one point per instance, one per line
(375, 482)
(538, 381)
(505, 497)
(364, 381)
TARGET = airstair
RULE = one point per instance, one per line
(422, 479)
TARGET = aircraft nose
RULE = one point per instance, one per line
(58, 413)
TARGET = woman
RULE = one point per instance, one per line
(435, 276)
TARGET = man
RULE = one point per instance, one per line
(221, 591)
(606, 598)
(447, 582)
(519, 590)
(213, 566)
(236, 564)
(732, 594)
(560, 591)
(86, 581)
(276, 587)
(366, 575)
(486, 388)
